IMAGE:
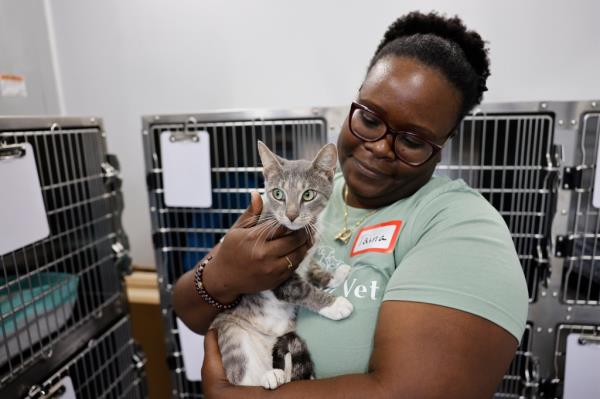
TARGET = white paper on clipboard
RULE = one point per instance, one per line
(186, 171)
(596, 191)
(22, 213)
(192, 350)
(582, 370)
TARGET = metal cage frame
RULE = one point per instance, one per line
(80, 184)
(550, 194)
(110, 366)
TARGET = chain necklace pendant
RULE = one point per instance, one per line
(344, 235)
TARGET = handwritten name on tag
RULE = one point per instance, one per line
(377, 238)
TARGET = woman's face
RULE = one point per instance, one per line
(409, 96)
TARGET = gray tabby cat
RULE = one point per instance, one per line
(257, 340)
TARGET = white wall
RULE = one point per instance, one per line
(123, 59)
(25, 49)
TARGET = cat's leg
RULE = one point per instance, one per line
(322, 278)
(300, 292)
(246, 357)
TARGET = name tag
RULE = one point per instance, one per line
(377, 238)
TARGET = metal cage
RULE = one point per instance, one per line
(534, 162)
(183, 236)
(110, 366)
(86, 246)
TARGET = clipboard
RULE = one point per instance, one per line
(23, 219)
(582, 367)
(186, 168)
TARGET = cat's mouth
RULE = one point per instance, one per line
(297, 224)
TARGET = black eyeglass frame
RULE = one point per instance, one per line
(395, 134)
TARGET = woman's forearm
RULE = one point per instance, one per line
(359, 386)
(196, 313)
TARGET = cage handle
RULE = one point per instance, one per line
(11, 151)
(589, 340)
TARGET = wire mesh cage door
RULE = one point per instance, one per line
(110, 366)
(526, 159)
(504, 156)
(53, 286)
(183, 236)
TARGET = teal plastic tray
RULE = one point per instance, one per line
(33, 308)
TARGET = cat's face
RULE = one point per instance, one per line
(297, 191)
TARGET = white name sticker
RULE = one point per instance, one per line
(377, 238)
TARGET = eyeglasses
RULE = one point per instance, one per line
(409, 147)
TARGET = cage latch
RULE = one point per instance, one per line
(171, 362)
(564, 246)
(531, 376)
(572, 177)
(123, 260)
(542, 262)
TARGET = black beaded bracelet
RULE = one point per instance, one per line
(202, 292)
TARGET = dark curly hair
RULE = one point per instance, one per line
(442, 43)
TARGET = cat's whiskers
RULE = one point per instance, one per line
(263, 231)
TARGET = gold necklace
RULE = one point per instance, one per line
(345, 233)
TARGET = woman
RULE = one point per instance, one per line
(439, 295)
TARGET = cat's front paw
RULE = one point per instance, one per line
(339, 310)
(273, 378)
(339, 276)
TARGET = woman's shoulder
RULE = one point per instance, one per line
(443, 193)
(447, 202)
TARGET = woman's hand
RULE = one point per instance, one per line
(253, 258)
(214, 382)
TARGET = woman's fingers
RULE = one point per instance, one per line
(213, 364)
(250, 216)
(287, 244)
(294, 258)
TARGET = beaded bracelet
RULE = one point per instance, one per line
(205, 295)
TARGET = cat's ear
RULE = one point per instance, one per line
(269, 160)
(326, 160)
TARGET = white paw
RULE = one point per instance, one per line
(339, 276)
(340, 309)
(273, 378)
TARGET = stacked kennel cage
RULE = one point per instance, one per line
(534, 162)
(63, 324)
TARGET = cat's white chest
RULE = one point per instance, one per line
(277, 317)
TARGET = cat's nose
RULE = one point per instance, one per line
(292, 215)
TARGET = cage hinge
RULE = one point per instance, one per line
(123, 261)
(563, 247)
(111, 175)
(112, 160)
(530, 381)
(541, 261)
(171, 362)
(571, 178)
(152, 181)
(138, 358)
(157, 239)
(550, 388)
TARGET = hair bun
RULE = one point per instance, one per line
(450, 29)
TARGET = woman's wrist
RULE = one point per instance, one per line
(215, 283)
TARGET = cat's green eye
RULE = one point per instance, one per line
(309, 195)
(278, 194)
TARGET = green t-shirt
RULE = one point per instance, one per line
(444, 245)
